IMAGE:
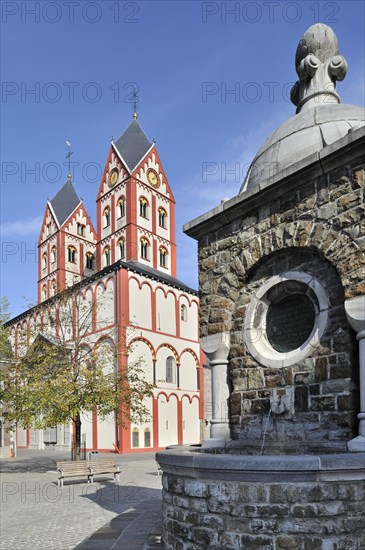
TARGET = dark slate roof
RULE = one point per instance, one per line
(65, 202)
(133, 145)
(155, 274)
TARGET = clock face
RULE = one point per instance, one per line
(113, 177)
(153, 178)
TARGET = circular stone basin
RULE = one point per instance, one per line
(225, 501)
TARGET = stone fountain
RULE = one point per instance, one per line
(282, 284)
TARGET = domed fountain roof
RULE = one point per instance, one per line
(320, 119)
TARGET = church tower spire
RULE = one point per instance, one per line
(135, 205)
(67, 242)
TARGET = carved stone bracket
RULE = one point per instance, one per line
(216, 347)
(355, 312)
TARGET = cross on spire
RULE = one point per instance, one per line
(135, 101)
(68, 156)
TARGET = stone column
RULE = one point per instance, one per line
(355, 311)
(216, 347)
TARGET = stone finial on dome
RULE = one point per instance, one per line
(318, 65)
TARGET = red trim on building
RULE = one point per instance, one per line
(153, 214)
(131, 227)
(179, 422)
(177, 317)
(132, 232)
(155, 421)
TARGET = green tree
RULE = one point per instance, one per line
(5, 346)
(65, 371)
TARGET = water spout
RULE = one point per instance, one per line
(277, 404)
(265, 431)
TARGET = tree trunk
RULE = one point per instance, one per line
(77, 427)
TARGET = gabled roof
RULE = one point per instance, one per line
(64, 202)
(133, 145)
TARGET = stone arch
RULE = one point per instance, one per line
(105, 353)
(308, 260)
(171, 348)
(166, 291)
(327, 237)
(189, 364)
(147, 342)
(232, 265)
(192, 352)
(142, 354)
(165, 369)
(105, 340)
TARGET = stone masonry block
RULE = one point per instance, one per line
(252, 542)
(212, 521)
(288, 542)
(229, 541)
(326, 403)
(195, 488)
(205, 537)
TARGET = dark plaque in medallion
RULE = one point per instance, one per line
(289, 322)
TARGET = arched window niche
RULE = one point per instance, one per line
(144, 249)
(106, 256)
(121, 207)
(106, 216)
(135, 438)
(143, 207)
(147, 437)
(121, 248)
(163, 256)
(170, 370)
(162, 217)
(71, 253)
(183, 312)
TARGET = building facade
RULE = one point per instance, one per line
(282, 264)
(126, 267)
(282, 278)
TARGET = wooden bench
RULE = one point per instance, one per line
(103, 466)
(87, 468)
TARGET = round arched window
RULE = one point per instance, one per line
(170, 370)
(286, 319)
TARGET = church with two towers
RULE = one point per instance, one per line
(127, 264)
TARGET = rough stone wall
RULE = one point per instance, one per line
(323, 391)
(278, 516)
(317, 227)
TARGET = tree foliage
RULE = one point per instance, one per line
(5, 346)
(66, 371)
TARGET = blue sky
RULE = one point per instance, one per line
(83, 60)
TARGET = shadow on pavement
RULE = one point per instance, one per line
(132, 507)
(36, 464)
(137, 526)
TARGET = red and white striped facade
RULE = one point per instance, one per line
(128, 265)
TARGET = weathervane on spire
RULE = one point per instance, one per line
(135, 101)
(68, 156)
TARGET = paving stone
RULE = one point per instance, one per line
(101, 516)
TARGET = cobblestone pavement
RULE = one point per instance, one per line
(38, 515)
